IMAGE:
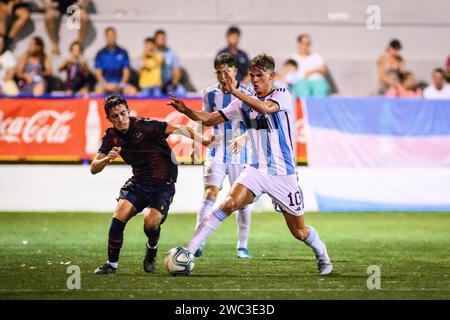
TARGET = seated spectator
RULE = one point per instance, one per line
(78, 72)
(439, 89)
(243, 61)
(7, 70)
(312, 70)
(390, 65)
(112, 68)
(150, 80)
(171, 71)
(54, 10)
(405, 88)
(14, 13)
(290, 78)
(34, 68)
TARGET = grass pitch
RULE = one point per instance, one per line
(411, 249)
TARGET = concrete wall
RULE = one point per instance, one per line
(196, 31)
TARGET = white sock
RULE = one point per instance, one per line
(313, 241)
(113, 264)
(210, 223)
(206, 207)
(243, 219)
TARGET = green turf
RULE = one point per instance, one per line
(412, 251)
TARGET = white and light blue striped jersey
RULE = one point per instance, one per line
(272, 149)
(214, 99)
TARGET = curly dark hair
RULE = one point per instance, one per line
(113, 101)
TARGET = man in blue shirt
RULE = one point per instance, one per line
(112, 67)
(243, 61)
(171, 70)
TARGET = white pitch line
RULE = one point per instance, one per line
(225, 289)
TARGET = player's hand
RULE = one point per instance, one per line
(210, 141)
(113, 154)
(237, 143)
(177, 104)
(227, 84)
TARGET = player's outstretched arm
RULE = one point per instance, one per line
(207, 119)
(190, 133)
(102, 160)
(264, 107)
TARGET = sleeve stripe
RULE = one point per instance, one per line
(223, 115)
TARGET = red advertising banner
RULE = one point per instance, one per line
(71, 129)
(42, 129)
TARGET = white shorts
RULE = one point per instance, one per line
(214, 173)
(284, 190)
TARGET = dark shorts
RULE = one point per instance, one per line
(148, 195)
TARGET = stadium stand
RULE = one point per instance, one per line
(196, 30)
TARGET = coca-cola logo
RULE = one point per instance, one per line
(47, 126)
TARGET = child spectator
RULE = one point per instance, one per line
(78, 72)
(150, 80)
(405, 88)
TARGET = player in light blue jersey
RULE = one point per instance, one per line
(272, 169)
(220, 161)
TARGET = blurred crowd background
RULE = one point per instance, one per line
(148, 48)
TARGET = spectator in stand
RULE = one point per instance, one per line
(289, 78)
(150, 80)
(390, 66)
(78, 72)
(171, 70)
(7, 70)
(311, 70)
(405, 88)
(34, 68)
(112, 68)
(233, 35)
(54, 10)
(439, 89)
(17, 11)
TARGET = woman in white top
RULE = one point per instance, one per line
(311, 70)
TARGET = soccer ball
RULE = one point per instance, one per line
(179, 261)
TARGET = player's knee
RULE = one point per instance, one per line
(230, 205)
(152, 221)
(299, 234)
(211, 193)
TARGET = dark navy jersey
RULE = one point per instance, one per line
(145, 148)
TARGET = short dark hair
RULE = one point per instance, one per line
(152, 40)
(303, 35)
(395, 44)
(291, 62)
(262, 61)
(113, 101)
(439, 70)
(160, 31)
(233, 30)
(225, 58)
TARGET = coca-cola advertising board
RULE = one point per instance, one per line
(71, 129)
(42, 129)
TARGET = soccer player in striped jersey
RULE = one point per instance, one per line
(272, 169)
(220, 161)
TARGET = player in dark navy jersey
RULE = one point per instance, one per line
(142, 144)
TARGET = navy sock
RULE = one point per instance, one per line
(115, 239)
(152, 235)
